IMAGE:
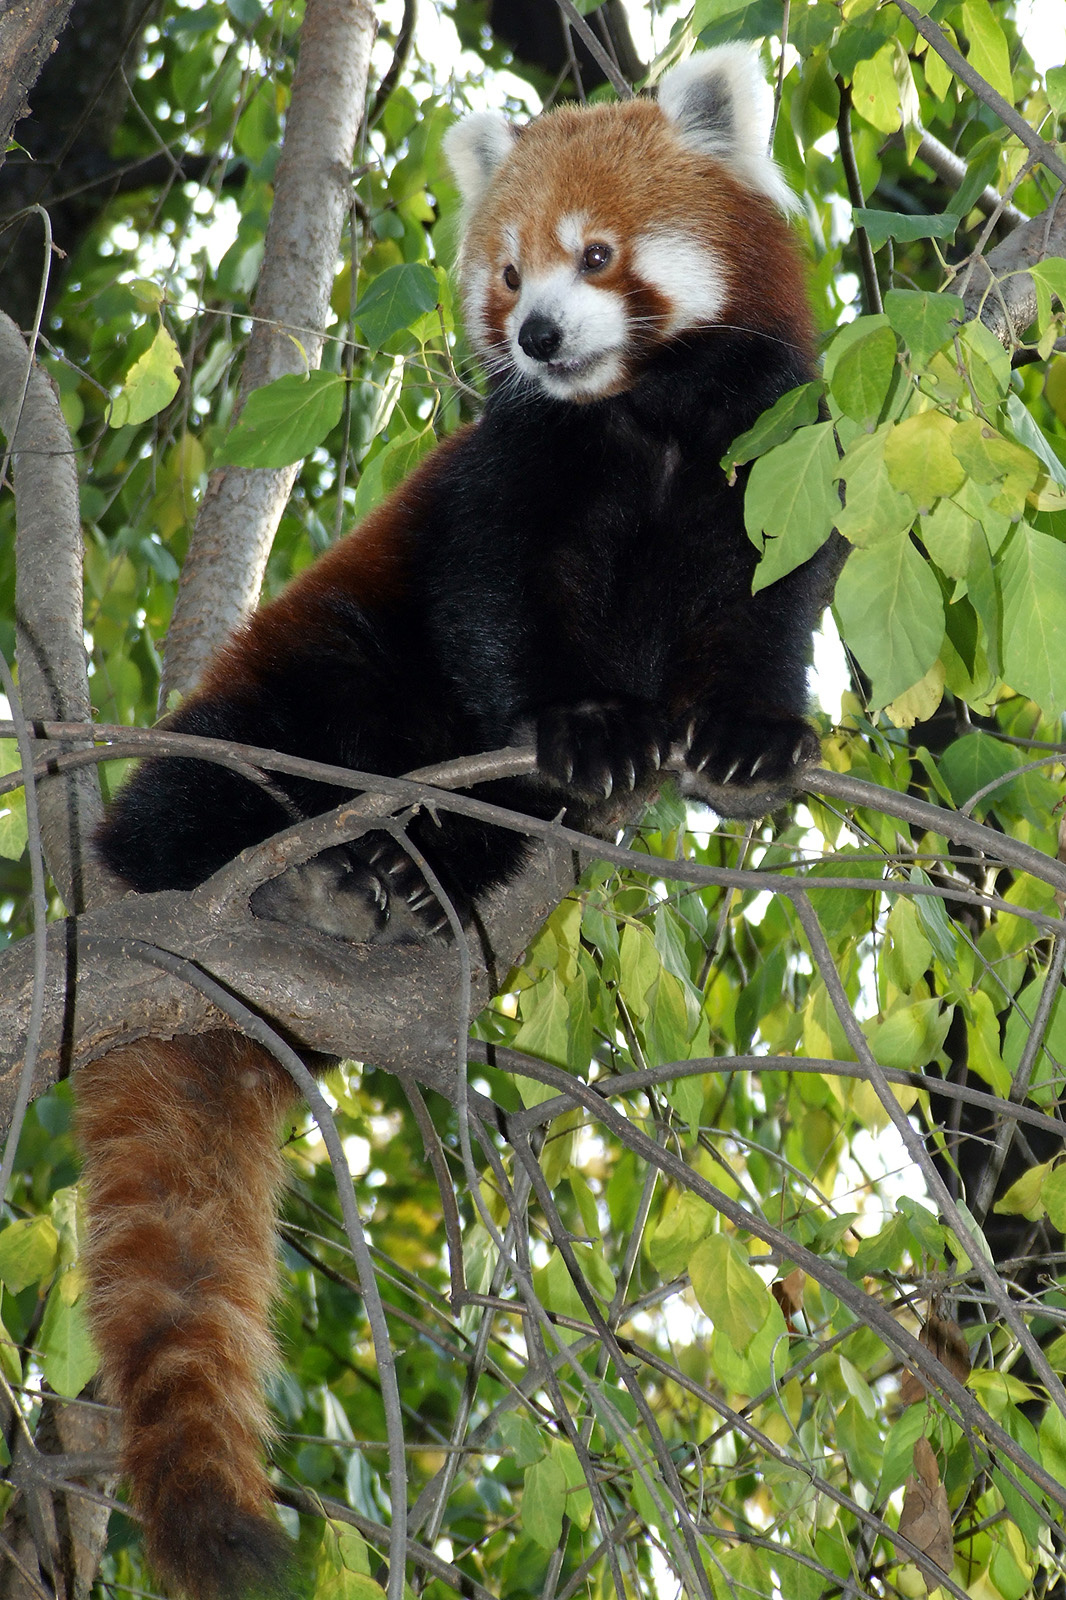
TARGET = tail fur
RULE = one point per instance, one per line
(182, 1172)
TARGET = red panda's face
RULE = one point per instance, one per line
(597, 234)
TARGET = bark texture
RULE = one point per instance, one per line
(65, 163)
(242, 507)
(1000, 291)
(53, 667)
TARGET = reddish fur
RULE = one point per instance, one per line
(626, 168)
(182, 1174)
(368, 567)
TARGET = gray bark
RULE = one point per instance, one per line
(242, 507)
(53, 676)
(1000, 291)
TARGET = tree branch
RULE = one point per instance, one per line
(53, 667)
(242, 507)
(1001, 292)
(934, 35)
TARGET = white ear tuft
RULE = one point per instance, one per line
(721, 106)
(474, 149)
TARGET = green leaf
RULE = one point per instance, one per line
(521, 1439)
(924, 321)
(989, 458)
(910, 1036)
(396, 298)
(988, 53)
(874, 508)
(1053, 1194)
(794, 410)
(68, 1356)
(947, 531)
(13, 829)
(543, 1031)
(881, 226)
(640, 967)
(891, 614)
(685, 1220)
(1033, 580)
(578, 1498)
(908, 954)
(792, 501)
(284, 420)
(919, 458)
(1056, 89)
(973, 761)
(860, 371)
(753, 1370)
(729, 1290)
(390, 467)
(29, 1251)
(544, 1502)
(875, 90)
(150, 384)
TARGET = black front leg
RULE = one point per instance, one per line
(597, 747)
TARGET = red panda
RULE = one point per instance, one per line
(571, 568)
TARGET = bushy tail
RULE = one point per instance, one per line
(182, 1169)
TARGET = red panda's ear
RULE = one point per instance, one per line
(720, 106)
(474, 149)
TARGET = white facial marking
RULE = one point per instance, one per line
(686, 272)
(593, 327)
(570, 232)
(510, 243)
(475, 297)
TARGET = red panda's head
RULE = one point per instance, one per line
(597, 233)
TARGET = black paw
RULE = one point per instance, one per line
(413, 908)
(597, 748)
(333, 893)
(746, 751)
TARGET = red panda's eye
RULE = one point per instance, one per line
(511, 278)
(595, 257)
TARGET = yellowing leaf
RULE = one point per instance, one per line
(29, 1251)
(991, 459)
(875, 91)
(920, 460)
(988, 53)
(874, 508)
(150, 384)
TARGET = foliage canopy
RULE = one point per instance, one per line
(694, 1231)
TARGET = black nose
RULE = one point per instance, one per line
(540, 337)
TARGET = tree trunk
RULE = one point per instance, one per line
(243, 505)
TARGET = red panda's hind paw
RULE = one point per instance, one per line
(334, 893)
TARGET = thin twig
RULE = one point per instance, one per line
(934, 35)
(871, 289)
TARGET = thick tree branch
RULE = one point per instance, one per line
(28, 34)
(53, 676)
(243, 505)
(1001, 292)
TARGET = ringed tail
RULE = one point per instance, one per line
(182, 1173)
